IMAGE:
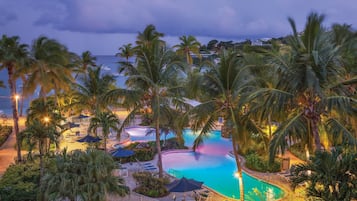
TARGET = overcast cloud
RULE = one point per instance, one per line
(102, 26)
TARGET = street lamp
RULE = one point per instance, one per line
(17, 97)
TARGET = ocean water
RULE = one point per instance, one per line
(109, 66)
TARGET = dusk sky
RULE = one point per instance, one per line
(102, 26)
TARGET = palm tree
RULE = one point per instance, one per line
(149, 37)
(50, 67)
(224, 83)
(126, 51)
(86, 60)
(308, 70)
(90, 93)
(38, 131)
(330, 176)
(153, 86)
(106, 121)
(43, 123)
(83, 175)
(188, 45)
(12, 57)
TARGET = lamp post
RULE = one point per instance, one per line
(17, 97)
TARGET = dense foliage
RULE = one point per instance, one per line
(329, 176)
(5, 132)
(20, 182)
(86, 175)
(150, 185)
(261, 164)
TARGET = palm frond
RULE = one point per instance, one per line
(208, 126)
(339, 131)
(343, 104)
(128, 120)
(295, 125)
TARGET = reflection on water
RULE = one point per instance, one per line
(210, 164)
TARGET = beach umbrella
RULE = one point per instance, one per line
(121, 152)
(184, 185)
(89, 139)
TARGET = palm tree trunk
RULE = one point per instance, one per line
(12, 86)
(236, 156)
(40, 148)
(105, 143)
(315, 132)
(158, 148)
(239, 167)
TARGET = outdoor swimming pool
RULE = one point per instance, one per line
(212, 165)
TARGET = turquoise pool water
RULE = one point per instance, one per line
(212, 165)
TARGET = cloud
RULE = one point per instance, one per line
(223, 18)
(6, 17)
(81, 23)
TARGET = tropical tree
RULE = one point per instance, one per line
(42, 124)
(149, 37)
(82, 63)
(328, 175)
(50, 67)
(106, 121)
(89, 94)
(13, 55)
(153, 86)
(126, 51)
(83, 176)
(224, 83)
(187, 46)
(309, 69)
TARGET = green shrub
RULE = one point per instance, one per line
(20, 182)
(261, 164)
(147, 154)
(5, 132)
(150, 185)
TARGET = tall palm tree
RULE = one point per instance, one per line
(106, 121)
(90, 93)
(45, 111)
(38, 131)
(308, 71)
(149, 37)
(86, 60)
(50, 67)
(224, 83)
(153, 86)
(12, 56)
(126, 51)
(187, 46)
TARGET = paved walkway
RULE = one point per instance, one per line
(8, 150)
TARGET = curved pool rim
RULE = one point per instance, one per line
(283, 189)
(168, 152)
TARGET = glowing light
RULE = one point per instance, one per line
(46, 119)
(237, 175)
